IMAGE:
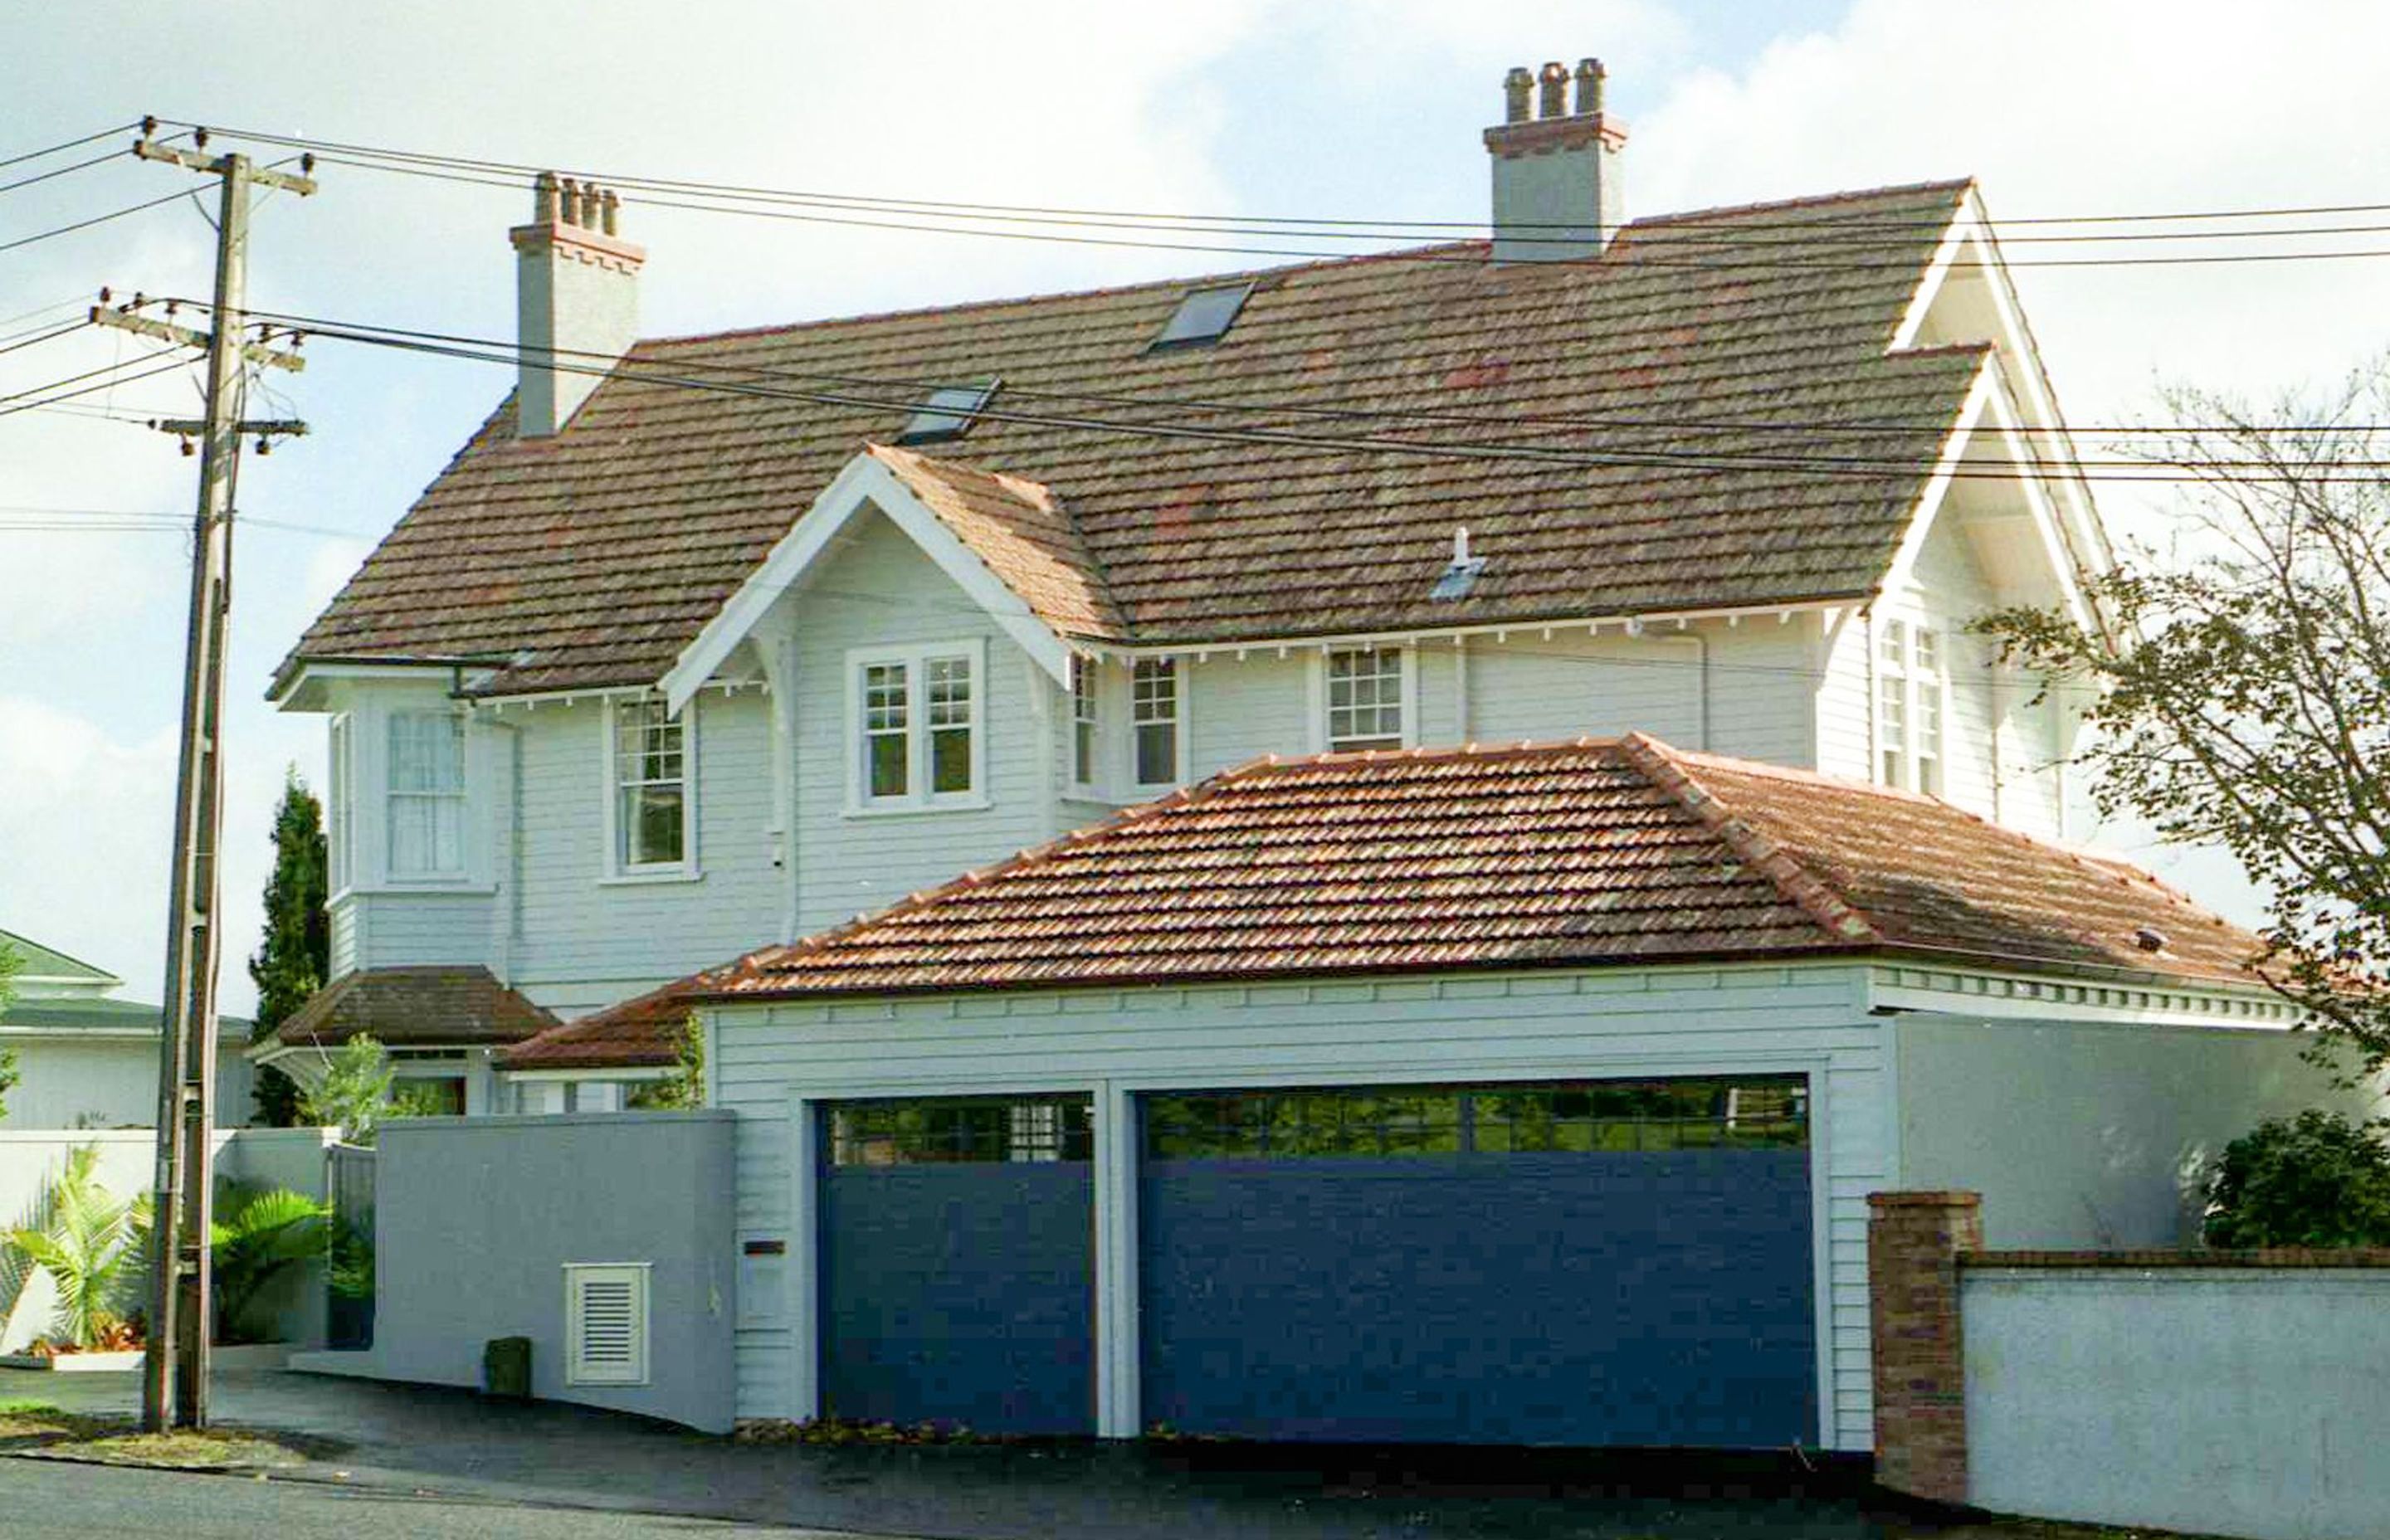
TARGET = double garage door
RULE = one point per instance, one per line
(1589, 1263)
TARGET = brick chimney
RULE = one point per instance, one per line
(1557, 192)
(577, 300)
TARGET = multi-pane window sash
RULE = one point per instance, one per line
(1153, 698)
(919, 718)
(341, 808)
(650, 786)
(1908, 707)
(887, 713)
(952, 1131)
(950, 715)
(1365, 698)
(1592, 1117)
(1083, 720)
(427, 794)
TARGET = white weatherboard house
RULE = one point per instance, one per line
(1330, 1065)
(87, 1059)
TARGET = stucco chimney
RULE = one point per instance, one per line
(577, 300)
(1557, 192)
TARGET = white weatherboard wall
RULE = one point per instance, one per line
(2090, 1134)
(2228, 1401)
(72, 1078)
(767, 1060)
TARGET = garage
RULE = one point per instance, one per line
(958, 1263)
(1620, 1262)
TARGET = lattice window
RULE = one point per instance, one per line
(1365, 698)
(1154, 700)
(650, 786)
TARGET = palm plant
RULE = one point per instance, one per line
(93, 1245)
(261, 1235)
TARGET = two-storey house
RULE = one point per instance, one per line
(706, 645)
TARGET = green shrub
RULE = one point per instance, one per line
(93, 1245)
(257, 1237)
(2313, 1180)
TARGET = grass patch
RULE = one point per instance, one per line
(33, 1430)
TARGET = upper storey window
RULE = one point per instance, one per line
(1909, 707)
(1365, 697)
(651, 802)
(1153, 701)
(916, 724)
(426, 811)
(1085, 721)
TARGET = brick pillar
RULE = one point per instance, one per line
(1914, 1239)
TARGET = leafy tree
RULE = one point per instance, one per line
(10, 962)
(360, 1092)
(92, 1244)
(2314, 1180)
(296, 953)
(685, 1087)
(2248, 699)
(261, 1236)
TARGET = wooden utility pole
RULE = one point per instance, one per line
(174, 1373)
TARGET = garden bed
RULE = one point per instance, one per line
(233, 1357)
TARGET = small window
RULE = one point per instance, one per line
(1365, 698)
(1909, 707)
(339, 811)
(651, 788)
(605, 1323)
(1084, 680)
(947, 414)
(1154, 701)
(916, 726)
(1204, 315)
(427, 794)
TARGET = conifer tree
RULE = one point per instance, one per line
(296, 953)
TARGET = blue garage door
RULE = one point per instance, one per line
(957, 1263)
(1601, 1262)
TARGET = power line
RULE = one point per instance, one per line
(485, 349)
(95, 219)
(109, 133)
(62, 170)
(8, 410)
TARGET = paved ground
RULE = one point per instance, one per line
(411, 1443)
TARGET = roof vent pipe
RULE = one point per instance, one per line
(1558, 195)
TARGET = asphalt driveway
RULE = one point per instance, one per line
(417, 1442)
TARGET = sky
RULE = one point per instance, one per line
(1296, 108)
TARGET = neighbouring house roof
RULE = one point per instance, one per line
(1590, 853)
(52, 966)
(415, 1008)
(1709, 370)
(67, 1015)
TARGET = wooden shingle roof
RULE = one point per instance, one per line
(1620, 851)
(1706, 416)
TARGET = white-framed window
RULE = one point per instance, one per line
(1367, 695)
(339, 812)
(425, 803)
(651, 806)
(1910, 706)
(915, 726)
(1153, 714)
(1087, 764)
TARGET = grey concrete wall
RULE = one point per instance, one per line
(477, 1217)
(266, 1157)
(2241, 1401)
(2090, 1134)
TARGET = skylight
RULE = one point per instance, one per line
(947, 414)
(1204, 315)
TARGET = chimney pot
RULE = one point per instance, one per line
(588, 220)
(1589, 78)
(608, 208)
(1517, 86)
(1555, 93)
(570, 212)
(543, 198)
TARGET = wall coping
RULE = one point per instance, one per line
(1909, 1200)
(2284, 1257)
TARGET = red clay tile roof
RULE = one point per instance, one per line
(1020, 533)
(415, 1008)
(639, 1033)
(1597, 851)
(1694, 359)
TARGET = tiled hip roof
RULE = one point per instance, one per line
(1729, 425)
(415, 1006)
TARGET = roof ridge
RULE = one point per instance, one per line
(1848, 195)
(1812, 894)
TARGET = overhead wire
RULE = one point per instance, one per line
(109, 133)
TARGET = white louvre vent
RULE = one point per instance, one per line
(606, 1323)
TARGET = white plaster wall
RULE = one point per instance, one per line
(2240, 1400)
(1539, 1025)
(2088, 1134)
(106, 1083)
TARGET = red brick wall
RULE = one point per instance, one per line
(1914, 1243)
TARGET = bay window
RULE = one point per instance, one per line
(1085, 763)
(425, 812)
